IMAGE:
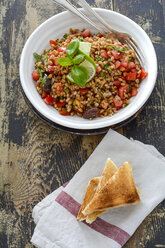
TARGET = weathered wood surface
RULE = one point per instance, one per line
(35, 159)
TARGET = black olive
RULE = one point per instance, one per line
(91, 113)
(47, 86)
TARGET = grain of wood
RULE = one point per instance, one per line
(35, 158)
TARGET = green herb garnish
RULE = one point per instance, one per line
(101, 74)
(105, 67)
(45, 57)
(100, 95)
(98, 58)
(65, 35)
(118, 49)
(130, 59)
(65, 61)
(74, 103)
(78, 59)
(72, 48)
(37, 57)
(80, 75)
(81, 39)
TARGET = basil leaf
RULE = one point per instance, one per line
(37, 57)
(65, 61)
(72, 48)
(78, 59)
(45, 58)
(80, 75)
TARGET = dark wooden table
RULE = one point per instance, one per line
(35, 159)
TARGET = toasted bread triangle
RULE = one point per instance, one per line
(93, 187)
(120, 190)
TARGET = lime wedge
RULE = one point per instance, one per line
(85, 48)
(89, 64)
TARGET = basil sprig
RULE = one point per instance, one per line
(65, 61)
(78, 59)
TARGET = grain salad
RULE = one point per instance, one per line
(96, 81)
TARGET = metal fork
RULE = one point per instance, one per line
(122, 37)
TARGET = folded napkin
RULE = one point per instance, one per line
(55, 216)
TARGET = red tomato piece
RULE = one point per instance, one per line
(133, 70)
(35, 75)
(50, 69)
(117, 64)
(117, 83)
(61, 49)
(117, 103)
(122, 90)
(131, 76)
(83, 91)
(124, 64)
(60, 104)
(125, 58)
(115, 54)
(56, 62)
(100, 35)
(134, 92)
(131, 65)
(143, 74)
(58, 87)
(98, 69)
(86, 33)
(64, 112)
(53, 42)
(49, 100)
(104, 54)
(44, 95)
(121, 68)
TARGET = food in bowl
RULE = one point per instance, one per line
(89, 75)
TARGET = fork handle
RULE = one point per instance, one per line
(88, 8)
(67, 5)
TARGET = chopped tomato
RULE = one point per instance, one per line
(131, 65)
(58, 87)
(143, 74)
(125, 58)
(61, 49)
(134, 92)
(124, 64)
(133, 70)
(117, 103)
(115, 54)
(83, 91)
(53, 42)
(121, 68)
(35, 75)
(50, 54)
(104, 54)
(48, 100)
(98, 69)
(122, 90)
(50, 68)
(117, 64)
(44, 95)
(117, 83)
(55, 62)
(60, 104)
(131, 76)
(105, 105)
(64, 112)
(100, 35)
(86, 33)
(69, 41)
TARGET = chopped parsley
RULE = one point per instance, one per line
(130, 59)
(106, 66)
(100, 95)
(65, 35)
(37, 57)
(98, 58)
(118, 49)
(101, 74)
(81, 39)
(74, 103)
(45, 58)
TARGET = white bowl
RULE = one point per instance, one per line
(54, 28)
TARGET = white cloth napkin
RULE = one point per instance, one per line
(55, 216)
